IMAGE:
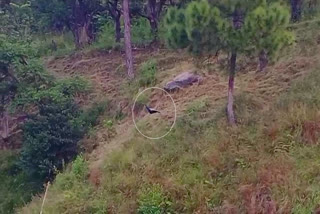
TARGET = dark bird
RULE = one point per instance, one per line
(151, 110)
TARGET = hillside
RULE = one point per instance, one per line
(268, 163)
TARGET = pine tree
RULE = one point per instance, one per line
(266, 27)
(228, 25)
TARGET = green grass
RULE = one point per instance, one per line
(44, 44)
(16, 188)
(205, 166)
(187, 172)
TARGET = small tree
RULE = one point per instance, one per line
(151, 10)
(267, 30)
(50, 139)
(229, 26)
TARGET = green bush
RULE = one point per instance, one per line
(147, 73)
(78, 173)
(106, 39)
(153, 201)
(50, 140)
(141, 32)
(51, 137)
(88, 118)
(16, 187)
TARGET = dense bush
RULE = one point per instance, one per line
(50, 139)
(16, 187)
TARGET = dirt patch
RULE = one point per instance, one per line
(257, 199)
(311, 132)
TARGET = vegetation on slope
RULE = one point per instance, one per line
(269, 162)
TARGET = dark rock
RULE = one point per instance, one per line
(183, 80)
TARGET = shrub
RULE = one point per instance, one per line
(16, 187)
(50, 139)
(141, 32)
(87, 119)
(153, 201)
(105, 38)
(147, 73)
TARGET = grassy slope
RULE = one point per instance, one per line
(269, 161)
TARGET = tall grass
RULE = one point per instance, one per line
(44, 44)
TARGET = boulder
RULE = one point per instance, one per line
(183, 80)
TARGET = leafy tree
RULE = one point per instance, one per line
(12, 56)
(231, 26)
(50, 139)
(151, 10)
(16, 20)
(76, 15)
(51, 136)
(51, 15)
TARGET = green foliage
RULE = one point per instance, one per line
(53, 43)
(105, 38)
(51, 137)
(205, 28)
(141, 32)
(16, 20)
(16, 187)
(147, 73)
(50, 140)
(108, 124)
(153, 201)
(174, 22)
(198, 106)
(266, 28)
(80, 168)
(88, 118)
(53, 14)
(56, 91)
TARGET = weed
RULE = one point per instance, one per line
(152, 200)
(147, 73)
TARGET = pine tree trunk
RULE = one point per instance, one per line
(237, 20)
(116, 15)
(5, 124)
(153, 18)
(127, 38)
(296, 10)
(263, 61)
(118, 28)
(81, 25)
(230, 110)
(82, 35)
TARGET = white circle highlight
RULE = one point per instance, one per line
(175, 113)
